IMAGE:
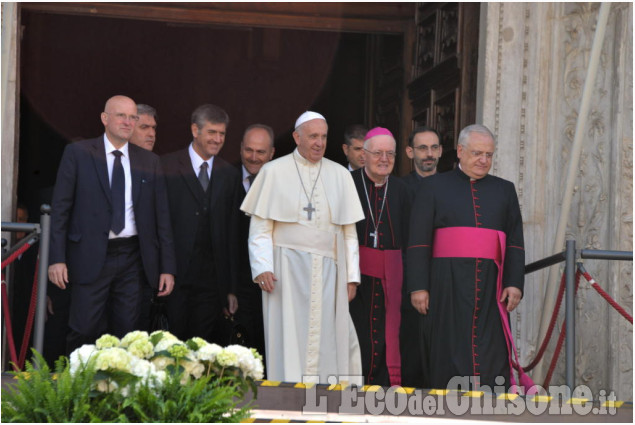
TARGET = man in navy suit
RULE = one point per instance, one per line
(110, 228)
(256, 149)
(204, 196)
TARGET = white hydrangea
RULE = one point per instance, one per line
(208, 353)
(164, 335)
(193, 368)
(227, 358)
(200, 342)
(246, 360)
(141, 348)
(166, 343)
(79, 358)
(137, 355)
(162, 362)
(157, 378)
(134, 336)
(141, 368)
(258, 371)
(107, 341)
(113, 359)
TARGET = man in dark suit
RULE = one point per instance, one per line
(425, 150)
(256, 149)
(203, 194)
(110, 228)
(353, 146)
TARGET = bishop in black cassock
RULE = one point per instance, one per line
(376, 308)
(466, 336)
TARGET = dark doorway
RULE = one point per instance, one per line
(70, 65)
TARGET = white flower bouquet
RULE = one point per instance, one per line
(140, 358)
(140, 378)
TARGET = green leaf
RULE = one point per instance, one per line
(191, 344)
(154, 339)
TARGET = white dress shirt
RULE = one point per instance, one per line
(197, 161)
(130, 228)
(246, 175)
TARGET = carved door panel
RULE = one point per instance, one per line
(443, 89)
(386, 80)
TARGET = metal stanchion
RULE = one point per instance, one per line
(42, 278)
(570, 314)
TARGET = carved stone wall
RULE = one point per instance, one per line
(533, 64)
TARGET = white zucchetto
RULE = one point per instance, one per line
(308, 116)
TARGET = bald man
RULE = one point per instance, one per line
(110, 235)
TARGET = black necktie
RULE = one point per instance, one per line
(251, 178)
(203, 177)
(118, 191)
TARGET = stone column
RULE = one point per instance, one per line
(533, 63)
(10, 42)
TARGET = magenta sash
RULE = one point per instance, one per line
(387, 265)
(475, 242)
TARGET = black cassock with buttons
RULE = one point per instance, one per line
(464, 325)
(368, 308)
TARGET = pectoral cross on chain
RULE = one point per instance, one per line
(374, 236)
(309, 209)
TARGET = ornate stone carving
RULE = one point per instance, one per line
(535, 65)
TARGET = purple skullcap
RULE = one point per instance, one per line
(378, 131)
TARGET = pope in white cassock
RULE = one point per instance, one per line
(304, 255)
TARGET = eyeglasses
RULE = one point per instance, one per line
(121, 116)
(424, 148)
(479, 154)
(380, 154)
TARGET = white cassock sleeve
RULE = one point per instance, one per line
(352, 253)
(260, 246)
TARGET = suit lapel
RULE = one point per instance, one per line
(99, 159)
(187, 172)
(135, 173)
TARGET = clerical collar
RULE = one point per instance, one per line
(371, 180)
(303, 161)
(461, 169)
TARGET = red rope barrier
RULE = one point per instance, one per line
(554, 317)
(18, 362)
(563, 333)
(15, 255)
(556, 354)
(552, 325)
(7, 320)
(607, 297)
(30, 317)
